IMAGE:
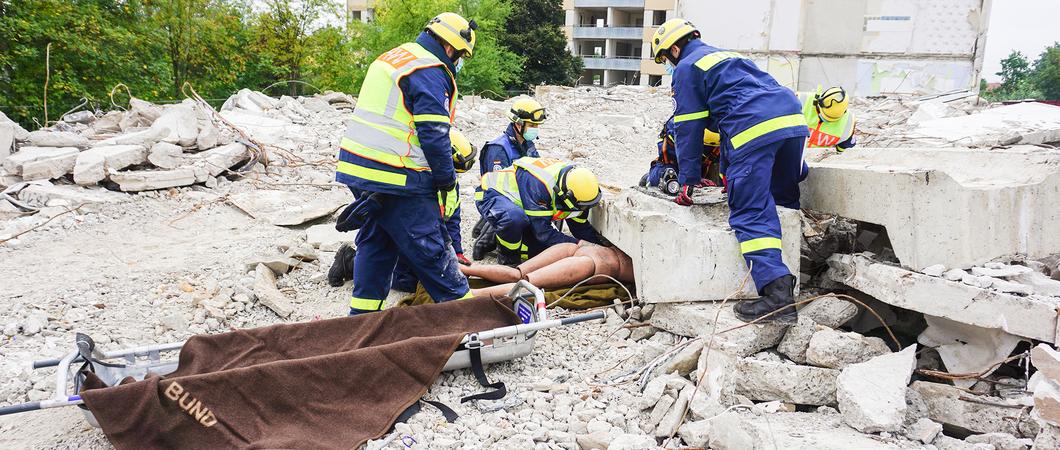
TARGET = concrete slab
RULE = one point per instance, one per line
(685, 253)
(285, 208)
(146, 180)
(794, 431)
(956, 207)
(1021, 123)
(92, 164)
(733, 336)
(1027, 316)
(42, 163)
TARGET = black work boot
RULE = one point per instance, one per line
(477, 229)
(485, 243)
(507, 257)
(342, 269)
(778, 295)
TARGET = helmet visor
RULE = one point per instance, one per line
(535, 116)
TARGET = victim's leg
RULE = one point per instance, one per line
(497, 273)
(563, 273)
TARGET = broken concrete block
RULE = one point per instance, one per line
(966, 348)
(695, 244)
(829, 311)
(42, 163)
(108, 124)
(47, 138)
(1029, 316)
(797, 339)
(1011, 287)
(791, 383)
(7, 140)
(92, 165)
(999, 441)
(327, 238)
(935, 271)
(166, 156)
(1048, 437)
(1020, 123)
(250, 101)
(799, 430)
(85, 117)
(954, 275)
(924, 430)
(140, 114)
(1047, 360)
(684, 361)
(1004, 271)
(146, 180)
(218, 160)
(42, 193)
(1039, 283)
(949, 405)
(698, 319)
(1047, 400)
(632, 442)
(285, 208)
(177, 125)
(146, 138)
(917, 194)
(267, 293)
(279, 264)
(304, 252)
(836, 350)
(872, 394)
(695, 434)
(944, 442)
(674, 417)
(266, 130)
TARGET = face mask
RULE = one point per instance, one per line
(669, 69)
(459, 65)
(530, 134)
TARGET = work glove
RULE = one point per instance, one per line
(448, 202)
(463, 259)
(684, 196)
(705, 183)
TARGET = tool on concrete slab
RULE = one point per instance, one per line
(495, 345)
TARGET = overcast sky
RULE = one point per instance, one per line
(1025, 25)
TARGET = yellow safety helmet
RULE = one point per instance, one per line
(668, 34)
(454, 30)
(831, 104)
(463, 152)
(578, 190)
(527, 110)
(711, 139)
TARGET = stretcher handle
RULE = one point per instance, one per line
(39, 405)
(514, 330)
(141, 350)
(539, 297)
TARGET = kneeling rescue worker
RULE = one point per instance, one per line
(663, 170)
(762, 132)
(522, 202)
(397, 157)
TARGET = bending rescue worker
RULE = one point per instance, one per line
(763, 132)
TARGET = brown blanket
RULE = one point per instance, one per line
(581, 297)
(325, 384)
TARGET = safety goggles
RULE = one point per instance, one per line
(466, 33)
(831, 98)
(536, 116)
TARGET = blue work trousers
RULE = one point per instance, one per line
(510, 221)
(758, 180)
(408, 228)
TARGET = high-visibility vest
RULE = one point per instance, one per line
(824, 134)
(382, 129)
(545, 170)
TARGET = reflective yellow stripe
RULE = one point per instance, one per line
(389, 159)
(370, 174)
(366, 304)
(508, 245)
(691, 116)
(479, 195)
(769, 126)
(430, 118)
(755, 245)
(533, 213)
(466, 296)
(707, 62)
(579, 219)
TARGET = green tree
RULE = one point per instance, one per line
(95, 44)
(535, 31)
(204, 42)
(1046, 76)
(282, 35)
(398, 21)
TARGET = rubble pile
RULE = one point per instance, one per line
(155, 223)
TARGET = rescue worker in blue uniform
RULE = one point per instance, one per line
(517, 141)
(763, 132)
(463, 159)
(521, 202)
(396, 156)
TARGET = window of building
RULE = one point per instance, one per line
(654, 80)
(355, 15)
(658, 17)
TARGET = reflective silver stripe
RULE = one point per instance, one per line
(501, 181)
(455, 31)
(377, 119)
(394, 100)
(380, 140)
(541, 174)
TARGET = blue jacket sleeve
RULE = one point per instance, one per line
(427, 94)
(494, 157)
(690, 120)
(535, 198)
(581, 229)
